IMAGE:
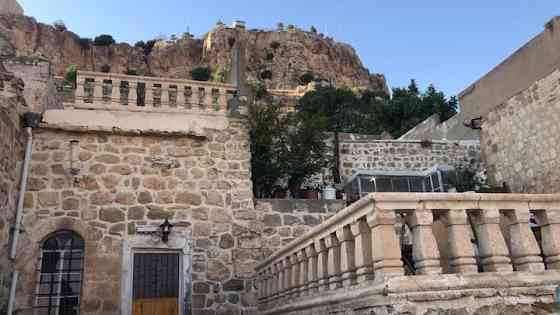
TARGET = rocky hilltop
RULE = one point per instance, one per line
(278, 58)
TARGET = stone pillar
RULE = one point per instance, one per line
(333, 262)
(116, 93)
(149, 96)
(424, 247)
(347, 256)
(132, 94)
(362, 250)
(322, 263)
(294, 290)
(287, 276)
(303, 272)
(180, 96)
(272, 283)
(97, 90)
(461, 251)
(202, 97)
(525, 251)
(280, 280)
(80, 92)
(222, 99)
(493, 251)
(165, 95)
(386, 251)
(549, 221)
(312, 267)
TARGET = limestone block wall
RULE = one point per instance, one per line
(202, 184)
(286, 219)
(520, 142)
(11, 154)
(406, 155)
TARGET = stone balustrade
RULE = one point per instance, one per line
(110, 91)
(360, 247)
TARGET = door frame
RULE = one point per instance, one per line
(179, 244)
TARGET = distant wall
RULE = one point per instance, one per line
(407, 155)
(534, 61)
(286, 219)
(520, 139)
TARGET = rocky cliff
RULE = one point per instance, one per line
(278, 58)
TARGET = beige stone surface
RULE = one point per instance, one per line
(10, 7)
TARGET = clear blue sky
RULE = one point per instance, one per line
(448, 43)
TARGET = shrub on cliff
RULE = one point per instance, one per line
(200, 74)
(104, 40)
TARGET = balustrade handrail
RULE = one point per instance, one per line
(492, 232)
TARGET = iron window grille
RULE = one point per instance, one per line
(60, 273)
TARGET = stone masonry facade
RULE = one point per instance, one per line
(407, 155)
(520, 140)
(11, 152)
(202, 185)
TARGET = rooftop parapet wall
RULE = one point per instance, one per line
(111, 91)
(354, 258)
(538, 58)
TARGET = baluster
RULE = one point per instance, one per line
(294, 290)
(386, 251)
(149, 96)
(202, 98)
(492, 246)
(287, 277)
(333, 253)
(347, 256)
(461, 251)
(280, 280)
(549, 221)
(313, 264)
(180, 96)
(270, 283)
(222, 99)
(362, 249)
(116, 93)
(164, 95)
(303, 272)
(322, 263)
(525, 251)
(97, 91)
(132, 94)
(80, 90)
(424, 247)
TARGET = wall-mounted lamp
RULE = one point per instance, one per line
(165, 229)
(74, 157)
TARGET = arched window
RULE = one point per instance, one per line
(60, 274)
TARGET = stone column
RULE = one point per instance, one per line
(333, 262)
(424, 247)
(493, 251)
(525, 251)
(180, 96)
(165, 95)
(362, 250)
(313, 264)
(347, 256)
(80, 93)
(115, 93)
(149, 96)
(322, 263)
(386, 249)
(549, 221)
(97, 86)
(303, 272)
(132, 94)
(294, 290)
(461, 251)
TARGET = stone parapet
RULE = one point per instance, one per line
(111, 91)
(481, 240)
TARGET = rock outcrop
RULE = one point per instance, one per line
(278, 58)
(10, 7)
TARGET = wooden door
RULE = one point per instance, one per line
(156, 284)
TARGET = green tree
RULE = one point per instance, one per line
(200, 74)
(70, 76)
(104, 40)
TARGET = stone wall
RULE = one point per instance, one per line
(286, 219)
(11, 153)
(202, 184)
(520, 140)
(451, 129)
(406, 155)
